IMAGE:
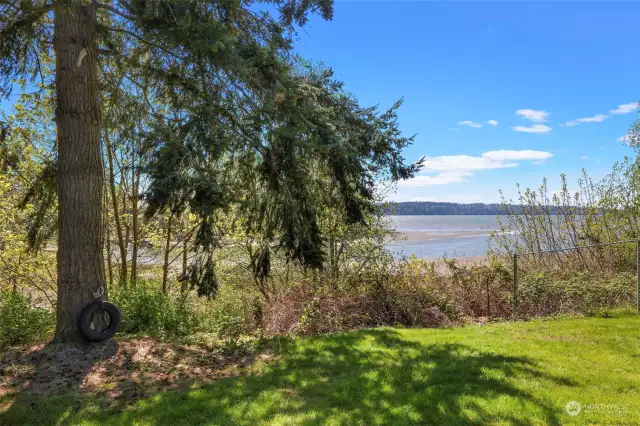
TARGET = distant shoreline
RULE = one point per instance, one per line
(441, 214)
(432, 208)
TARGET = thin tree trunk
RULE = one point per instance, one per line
(332, 255)
(107, 243)
(14, 278)
(135, 172)
(185, 250)
(109, 260)
(127, 228)
(80, 170)
(165, 265)
(116, 214)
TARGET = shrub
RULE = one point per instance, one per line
(21, 322)
(235, 311)
(146, 310)
(416, 293)
(412, 293)
(308, 310)
(403, 296)
(585, 293)
(410, 302)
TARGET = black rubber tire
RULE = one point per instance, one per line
(86, 317)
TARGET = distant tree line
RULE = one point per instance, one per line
(430, 208)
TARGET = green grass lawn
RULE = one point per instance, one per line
(522, 373)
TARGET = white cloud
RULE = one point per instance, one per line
(463, 162)
(448, 169)
(439, 179)
(469, 123)
(533, 115)
(595, 119)
(527, 154)
(584, 157)
(454, 129)
(492, 122)
(624, 109)
(599, 118)
(536, 128)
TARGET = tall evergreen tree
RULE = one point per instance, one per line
(232, 96)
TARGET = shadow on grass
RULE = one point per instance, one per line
(53, 384)
(50, 370)
(368, 377)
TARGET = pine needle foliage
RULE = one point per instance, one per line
(228, 118)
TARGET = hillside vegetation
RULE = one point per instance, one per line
(432, 208)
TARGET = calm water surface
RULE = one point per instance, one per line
(437, 236)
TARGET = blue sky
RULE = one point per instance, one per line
(548, 74)
(560, 79)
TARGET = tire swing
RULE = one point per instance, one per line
(106, 312)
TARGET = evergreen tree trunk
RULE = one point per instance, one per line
(80, 175)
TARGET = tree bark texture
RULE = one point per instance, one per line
(80, 177)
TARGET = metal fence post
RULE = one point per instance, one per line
(638, 277)
(515, 284)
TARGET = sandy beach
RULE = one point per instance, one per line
(438, 235)
(415, 237)
(431, 238)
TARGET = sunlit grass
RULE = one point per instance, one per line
(506, 373)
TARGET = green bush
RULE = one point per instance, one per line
(579, 292)
(235, 311)
(22, 323)
(409, 300)
(146, 310)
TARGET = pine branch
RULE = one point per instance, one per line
(112, 9)
(145, 41)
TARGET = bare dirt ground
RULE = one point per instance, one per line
(114, 371)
